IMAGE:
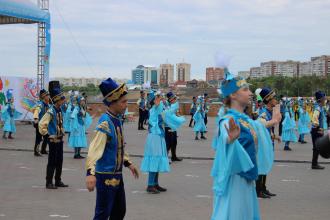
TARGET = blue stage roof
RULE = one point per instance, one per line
(21, 11)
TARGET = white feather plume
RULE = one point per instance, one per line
(222, 60)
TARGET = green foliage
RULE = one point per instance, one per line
(90, 89)
(304, 86)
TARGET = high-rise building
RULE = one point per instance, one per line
(244, 74)
(255, 72)
(166, 74)
(267, 69)
(145, 73)
(287, 68)
(320, 65)
(214, 74)
(305, 69)
(138, 75)
(183, 72)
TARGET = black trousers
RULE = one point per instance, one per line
(315, 136)
(261, 183)
(110, 200)
(171, 140)
(141, 118)
(280, 126)
(191, 119)
(55, 162)
(205, 119)
(39, 139)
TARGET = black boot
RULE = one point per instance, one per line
(10, 135)
(36, 150)
(315, 164)
(4, 135)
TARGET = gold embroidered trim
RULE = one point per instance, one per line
(112, 182)
(116, 94)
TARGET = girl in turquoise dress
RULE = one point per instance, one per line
(288, 128)
(8, 115)
(198, 117)
(303, 123)
(155, 159)
(235, 167)
(80, 122)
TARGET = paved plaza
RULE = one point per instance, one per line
(302, 193)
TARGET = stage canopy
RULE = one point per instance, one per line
(22, 11)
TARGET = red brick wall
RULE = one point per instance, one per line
(97, 109)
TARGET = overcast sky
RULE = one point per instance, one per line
(115, 36)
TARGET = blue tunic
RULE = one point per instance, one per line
(80, 122)
(234, 172)
(155, 154)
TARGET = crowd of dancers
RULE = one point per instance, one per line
(243, 141)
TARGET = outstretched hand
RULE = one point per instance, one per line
(233, 131)
(134, 171)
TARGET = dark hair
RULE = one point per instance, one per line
(227, 102)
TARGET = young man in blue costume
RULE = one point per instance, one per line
(106, 155)
(235, 166)
(193, 109)
(171, 136)
(51, 124)
(319, 125)
(39, 110)
(142, 110)
(270, 116)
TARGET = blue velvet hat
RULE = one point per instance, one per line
(231, 84)
(43, 93)
(111, 91)
(267, 94)
(319, 95)
(55, 91)
(170, 96)
(9, 95)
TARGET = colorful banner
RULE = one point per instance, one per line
(25, 94)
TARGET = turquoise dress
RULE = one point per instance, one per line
(80, 122)
(303, 122)
(265, 154)
(67, 117)
(8, 115)
(234, 172)
(155, 154)
(288, 127)
(171, 119)
(199, 120)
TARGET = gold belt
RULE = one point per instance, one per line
(55, 140)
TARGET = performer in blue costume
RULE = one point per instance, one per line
(106, 155)
(288, 127)
(9, 114)
(270, 116)
(68, 111)
(319, 126)
(303, 122)
(199, 115)
(171, 136)
(193, 109)
(155, 158)
(80, 122)
(235, 167)
(51, 124)
(38, 112)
